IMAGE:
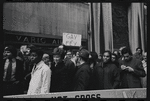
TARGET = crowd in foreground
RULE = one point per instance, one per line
(31, 71)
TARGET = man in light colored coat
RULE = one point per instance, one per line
(40, 75)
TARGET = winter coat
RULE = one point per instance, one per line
(59, 79)
(40, 79)
(106, 76)
(19, 70)
(82, 78)
(132, 79)
(71, 70)
(138, 56)
(14, 88)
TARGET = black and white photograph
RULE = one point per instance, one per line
(74, 50)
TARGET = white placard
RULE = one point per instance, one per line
(70, 39)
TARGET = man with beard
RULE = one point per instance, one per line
(132, 70)
(106, 74)
(40, 75)
(13, 72)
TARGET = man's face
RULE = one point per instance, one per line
(46, 59)
(106, 57)
(27, 51)
(113, 58)
(69, 55)
(127, 57)
(138, 51)
(33, 57)
(7, 54)
(56, 58)
(78, 59)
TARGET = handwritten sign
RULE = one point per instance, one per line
(70, 39)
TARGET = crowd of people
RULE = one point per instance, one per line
(32, 71)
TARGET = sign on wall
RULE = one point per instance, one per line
(24, 38)
(32, 39)
(70, 39)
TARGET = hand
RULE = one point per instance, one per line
(123, 67)
(130, 69)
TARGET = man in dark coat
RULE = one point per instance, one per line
(132, 70)
(71, 70)
(82, 77)
(60, 79)
(12, 72)
(106, 74)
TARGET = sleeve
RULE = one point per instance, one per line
(83, 81)
(46, 79)
(139, 70)
(19, 70)
(116, 78)
(71, 68)
(95, 80)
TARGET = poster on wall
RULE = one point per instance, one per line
(70, 39)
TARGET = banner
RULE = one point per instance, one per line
(117, 93)
(70, 39)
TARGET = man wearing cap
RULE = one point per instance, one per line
(40, 75)
(83, 74)
(12, 72)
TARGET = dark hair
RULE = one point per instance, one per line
(94, 57)
(38, 51)
(109, 52)
(64, 46)
(118, 54)
(140, 49)
(58, 51)
(115, 55)
(126, 50)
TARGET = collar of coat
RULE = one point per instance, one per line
(102, 64)
(83, 64)
(38, 66)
